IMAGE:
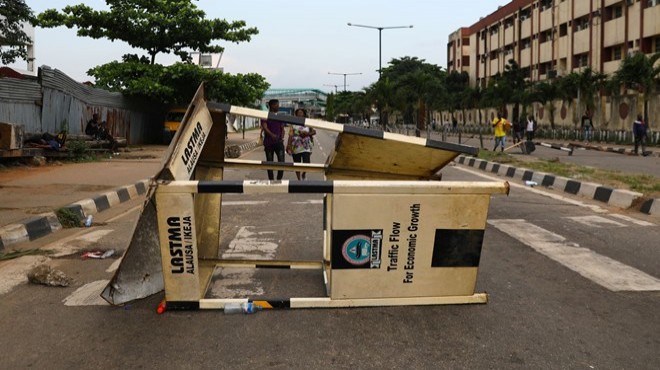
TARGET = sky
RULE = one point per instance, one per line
(299, 42)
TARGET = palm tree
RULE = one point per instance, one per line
(545, 92)
(639, 71)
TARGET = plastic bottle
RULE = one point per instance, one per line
(531, 183)
(249, 307)
(232, 308)
(88, 221)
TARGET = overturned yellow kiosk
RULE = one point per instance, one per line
(392, 235)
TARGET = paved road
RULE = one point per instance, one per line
(571, 284)
(592, 158)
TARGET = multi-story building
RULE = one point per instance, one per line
(554, 37)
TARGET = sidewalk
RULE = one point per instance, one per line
(29, 196)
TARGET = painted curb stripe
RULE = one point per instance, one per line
(496, 168)
(123, 195)
(646, 207)
(37, 227)
(527, 175)
(603, 194)
(511, 172)
(102, 203)
(572, 187)
(141, 188)
(77, 209)
(548, 180)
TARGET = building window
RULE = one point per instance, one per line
(546, 36)
(652, 3)
(494, 29)
(508, 22)
(581, 24)
(563, 30)
(466, 61)
(656, 45)
(525, 14)
(545, 5)
(616, 53)
(581, 60)
(466, 41)
(525, 43)
(617, 12)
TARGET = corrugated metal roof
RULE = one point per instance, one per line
(57, 80)
(12, 89)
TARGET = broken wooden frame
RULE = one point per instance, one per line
(389, 239)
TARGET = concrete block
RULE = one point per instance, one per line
(623, 198)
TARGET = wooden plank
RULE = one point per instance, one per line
(385, 158)
(320, 302)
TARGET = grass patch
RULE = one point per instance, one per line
(79, 151)
(67, 218)
(645, 184)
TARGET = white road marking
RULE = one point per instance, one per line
(14, 272)
(88, 295)
(632, 220)
(592, 207)
(125, 213)
(244, 203)
(596, 221)
(239, 282)
(310, 201)
(75, 242)
(602, 270)
(114, 266)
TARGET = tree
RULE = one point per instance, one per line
(13, 14)
(585, 84)
(546, 92)
(413, 85)
(639, 71)
(176, 84)
(156, 26)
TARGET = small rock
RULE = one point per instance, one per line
(46, 275)
(233, 151)
(38, 161)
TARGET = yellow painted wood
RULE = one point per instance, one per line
(385, 157)
(382, 212)
(178, 246)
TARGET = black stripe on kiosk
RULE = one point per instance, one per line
(457, 248)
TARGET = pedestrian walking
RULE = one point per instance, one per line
(273, 138)
(587, 126)
(300, 143)
(500, 126)
(530, 127)
(639, 131)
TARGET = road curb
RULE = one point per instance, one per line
(613, 197)
(46, 223)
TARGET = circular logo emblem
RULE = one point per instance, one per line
(357, 249)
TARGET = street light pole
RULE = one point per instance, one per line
(344, 74)
(380, 41)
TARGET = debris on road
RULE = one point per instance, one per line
(98, 254)
(46, 275)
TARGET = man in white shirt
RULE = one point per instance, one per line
(531, 127)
